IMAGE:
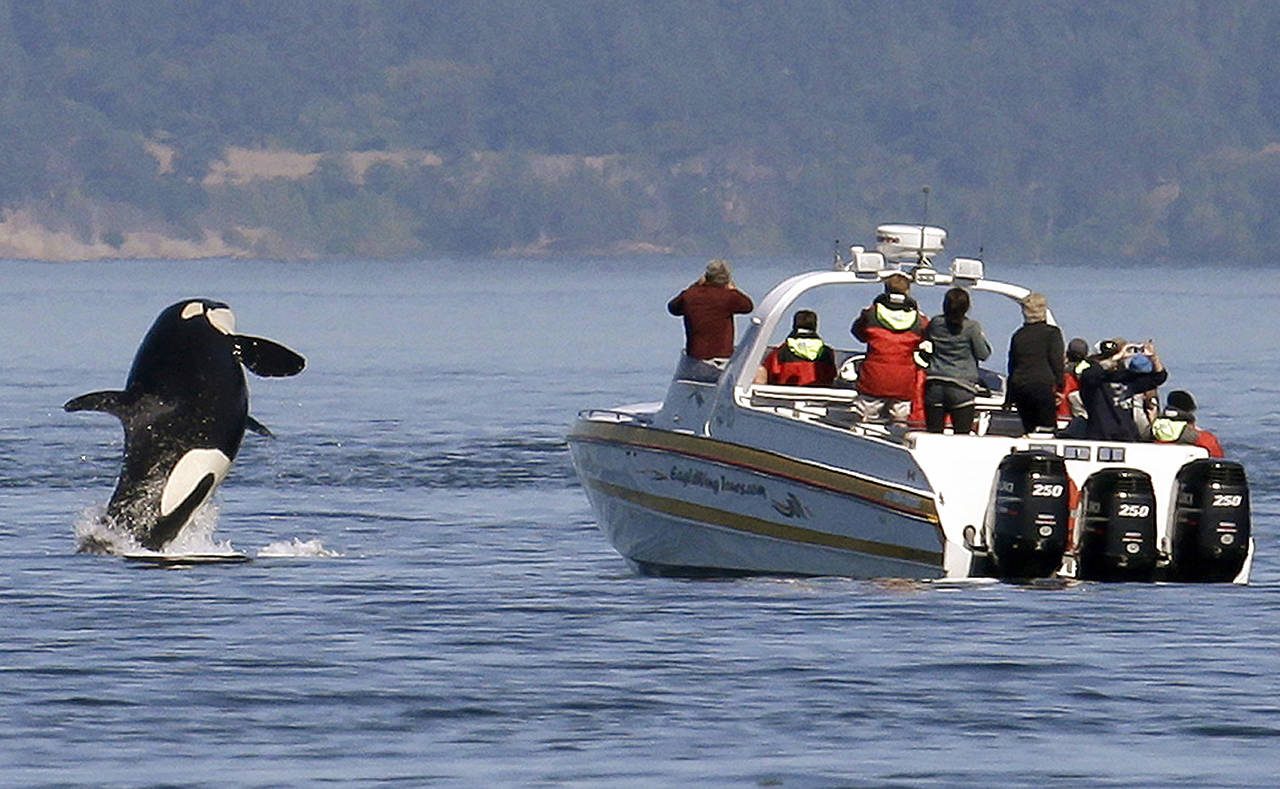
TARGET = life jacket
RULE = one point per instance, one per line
(805, 346)
(1210, 442)
(1070, 383)
(803, 360)
(1172, 427)
(1172, 431)
(892, 328)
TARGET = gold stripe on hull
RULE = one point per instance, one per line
(912, 505)
(752, 525)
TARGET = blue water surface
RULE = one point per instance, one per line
(430, 603)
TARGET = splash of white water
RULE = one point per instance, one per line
(96, 533)
(197, 535)
(296, 549)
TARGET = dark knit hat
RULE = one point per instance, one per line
(1183, 401)
(1077, 349)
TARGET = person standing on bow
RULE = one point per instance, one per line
(955, 345)
(803, 360)
(1035, 367)
(708, 307)
(892, 327)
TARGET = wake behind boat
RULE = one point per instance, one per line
(731, 476)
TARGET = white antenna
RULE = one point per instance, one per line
(923, 223)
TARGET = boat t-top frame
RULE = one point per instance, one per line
(861, 269)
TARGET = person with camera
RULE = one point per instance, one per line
(1113, 381)
(708, 307)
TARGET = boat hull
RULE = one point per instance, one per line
(674, 503)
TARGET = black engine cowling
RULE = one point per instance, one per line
(1118, 526)
(1211, 522)
(1028, 524)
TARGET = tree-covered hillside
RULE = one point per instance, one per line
(398, 128)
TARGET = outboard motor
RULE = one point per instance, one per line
(1211, 521)
(1118, 528)
(1026, 529)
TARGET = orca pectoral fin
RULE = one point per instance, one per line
(258, 427)
(115, 403)
(128, 406)
(267, 358)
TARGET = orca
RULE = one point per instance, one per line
(184, 407)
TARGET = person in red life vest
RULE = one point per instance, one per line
(1068, 406)
(892, 328)
(803, 360)
(1177, 425)
(708, 307)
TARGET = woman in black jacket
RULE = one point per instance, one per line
(1035, 367)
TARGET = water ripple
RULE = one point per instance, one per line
(490, 463)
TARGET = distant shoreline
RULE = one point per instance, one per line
(24, 238)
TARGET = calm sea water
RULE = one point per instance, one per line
(430, 603)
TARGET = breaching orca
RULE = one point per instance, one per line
(184, 408)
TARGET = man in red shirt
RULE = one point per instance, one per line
(708, 307)
(803, 360)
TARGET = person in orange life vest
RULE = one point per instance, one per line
(892, 327)
(1068, 406)
(1177, 425)
(803, 360)
(708, 307)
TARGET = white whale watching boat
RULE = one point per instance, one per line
(732, 477)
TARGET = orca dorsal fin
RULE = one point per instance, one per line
(258, 427)
(118, 404)
(267, 358)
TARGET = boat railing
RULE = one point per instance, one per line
(832, 406)
(836, 406)
(769, 393)
(614, 415)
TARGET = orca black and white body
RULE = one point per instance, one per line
(184, 408)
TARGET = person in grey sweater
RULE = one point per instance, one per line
(951, 379)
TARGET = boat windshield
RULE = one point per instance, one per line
(838, 297)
